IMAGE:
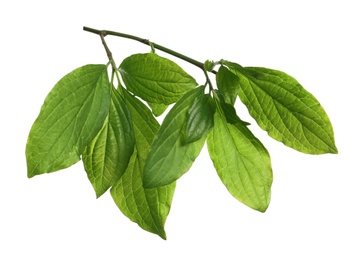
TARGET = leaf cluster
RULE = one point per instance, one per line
(113, 129)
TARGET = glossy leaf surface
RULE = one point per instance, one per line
(228, 84)
(200, 118)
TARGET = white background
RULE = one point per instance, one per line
(314, 212)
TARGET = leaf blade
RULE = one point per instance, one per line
(283, 108)
(135, 202)
(241, 161)
(228, 109)
(228, 84)
(106, 158)
(72, 114)
(149, 208)
(167, 146)
(157, 109)
(155, 79)
(200, 118)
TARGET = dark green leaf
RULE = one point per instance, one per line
(200, 118)
(241, 161)
(155, 79)
(167, 147)
(149, 208)
(107, 156)
(228, 84)
(283, 108)
(73, 113)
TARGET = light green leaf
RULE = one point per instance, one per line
(132, 200)
(200, 118)
(149, 208)
(107, 156)
(167, 147)
(155, 79)
(229, 110)
(228, 84)
(73, 113)
(241, 161)
(282, 107)
(157, 109)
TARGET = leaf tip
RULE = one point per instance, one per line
(263, 209)
(334, 150)
(162, 234)
(260, 206)
(98, 194)
(32, 172)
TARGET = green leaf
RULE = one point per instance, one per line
(200, 118)
(73, 113)
(145, 125)
(229, 110)
(149, 208)
(282, 107)
(157, 109)
(155, 79)
(228, 84)
(241, 161)
(107, 156)
(167, 147)
(134, 201)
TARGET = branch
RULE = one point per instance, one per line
(103, 33)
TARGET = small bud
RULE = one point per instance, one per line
(209, 65)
